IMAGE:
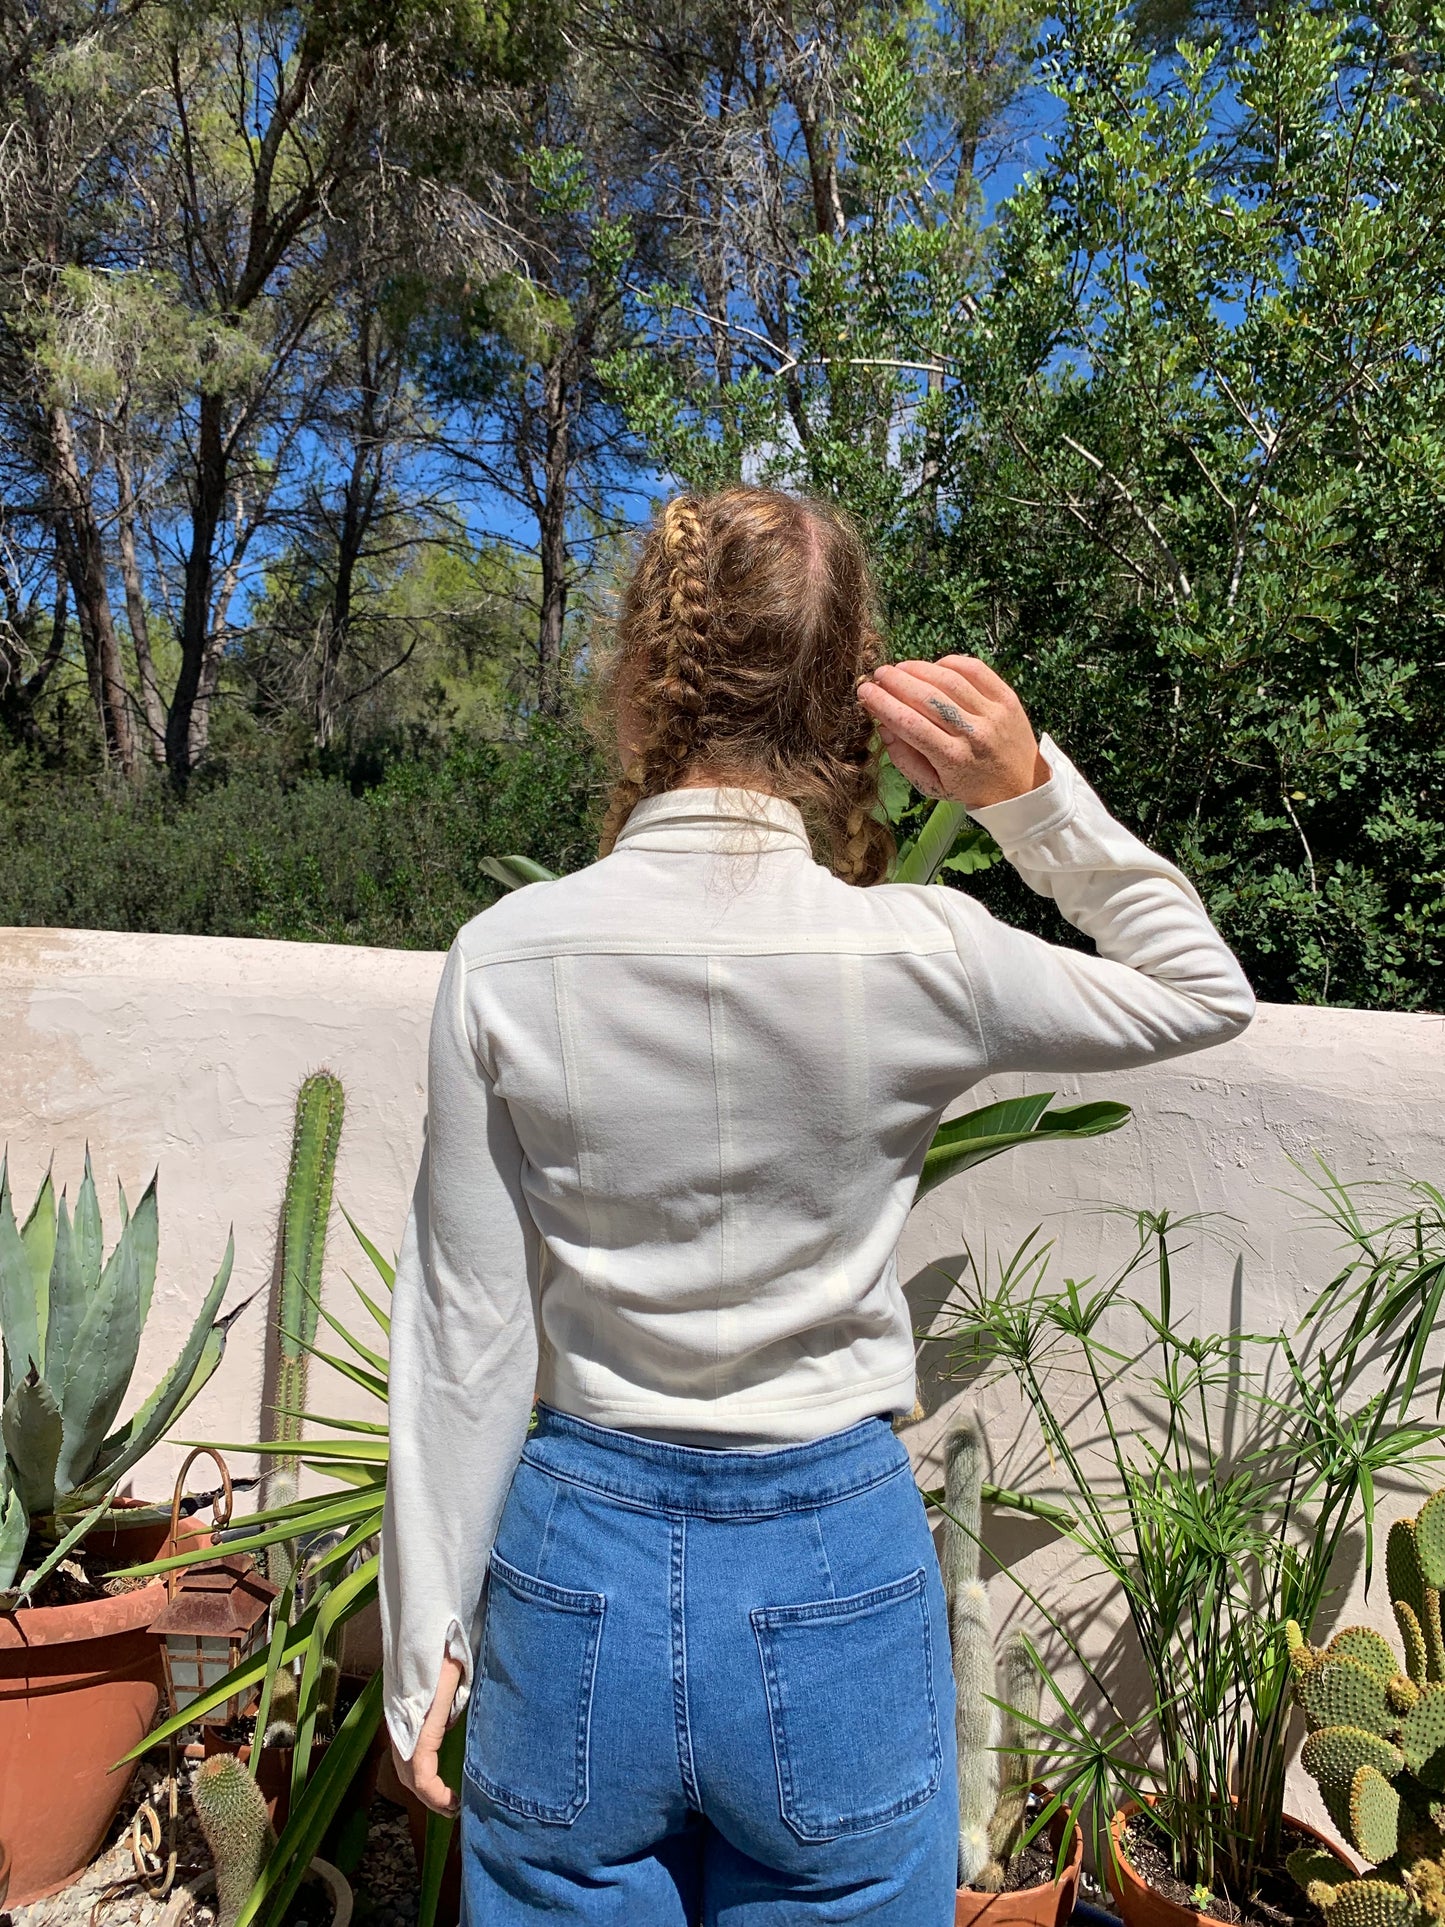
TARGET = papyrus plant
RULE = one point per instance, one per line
(71, 1321)
(1216, 1479)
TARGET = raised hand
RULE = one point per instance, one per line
(955, 729)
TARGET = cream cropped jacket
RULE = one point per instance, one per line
(678, 1104)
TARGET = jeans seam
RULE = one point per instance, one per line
(552, 1499)
(823, 1552)
(811, 1502)
(781, 1764)
(681, 1723)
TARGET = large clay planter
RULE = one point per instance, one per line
(1047, 1906)
(79, 1687)
(1138, 1903)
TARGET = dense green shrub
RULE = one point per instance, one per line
(255, 854)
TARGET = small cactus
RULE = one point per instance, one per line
(232, 1811)
(1376, 1747)
(994, 1763)
(285, 1710)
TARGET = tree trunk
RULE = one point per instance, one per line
(205, 692)
(363, 488)
(184, 729)
(85, 561)
(135, 611)
(20, 694)
(552, 544)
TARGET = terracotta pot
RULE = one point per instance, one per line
(79, 1687)
(4, 1876)
(1046, 1906)
(1141, 1906)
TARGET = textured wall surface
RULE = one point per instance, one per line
(186, 1053)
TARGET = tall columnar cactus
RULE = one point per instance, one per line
(970, 1631)
(232, 1811)
(71, 1322)
(1376, 1745)
(993, 1756)
(301, 1247)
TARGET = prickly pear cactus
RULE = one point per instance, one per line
(1376, 1747)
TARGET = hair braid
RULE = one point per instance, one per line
(683, 686)
(744, 629)
(669, 694)
(867, 844)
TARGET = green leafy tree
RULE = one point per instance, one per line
(1167, 450)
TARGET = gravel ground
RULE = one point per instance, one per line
(387, 1889)
(109, 1894)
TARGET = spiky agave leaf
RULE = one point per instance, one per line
(32, 1428)
(103, 1358)
(19, 1321)
(202, 1352)
(14, 1529)
(37, 1234)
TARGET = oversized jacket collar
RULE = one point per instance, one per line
(724, 818)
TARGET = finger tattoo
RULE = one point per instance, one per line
(954, 717)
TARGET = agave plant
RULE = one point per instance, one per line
(71, 1322)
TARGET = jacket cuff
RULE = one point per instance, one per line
(405, 1714)
(1023, 819)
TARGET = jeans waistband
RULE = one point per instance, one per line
(709, 1483)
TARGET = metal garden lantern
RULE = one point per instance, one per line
(215, 1614)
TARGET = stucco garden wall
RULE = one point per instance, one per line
(186, 1052)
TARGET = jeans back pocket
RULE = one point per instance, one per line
(852, 1707)
(530, 1723)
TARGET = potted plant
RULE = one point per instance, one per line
(271, 1724)
(232, 1811)
(331, 1536)
(1019, 1851)
(1212, 1479)
(80, 1673)
(1376, 1745)
(308, 1741)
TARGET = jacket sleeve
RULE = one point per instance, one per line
(1163, 982)
(463, 1361)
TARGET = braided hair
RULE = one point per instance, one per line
(744, 630)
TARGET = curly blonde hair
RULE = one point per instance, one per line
(744, 630)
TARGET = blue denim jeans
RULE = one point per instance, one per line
(714, 1688)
